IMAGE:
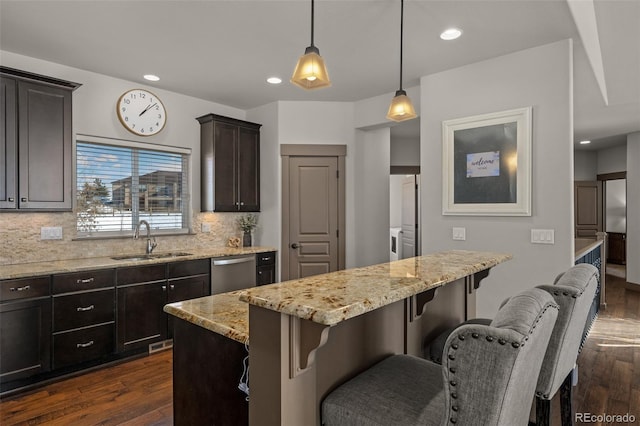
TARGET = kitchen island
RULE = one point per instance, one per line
(310, 335)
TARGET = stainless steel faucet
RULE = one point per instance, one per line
(136, 235)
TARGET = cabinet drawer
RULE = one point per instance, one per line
(268, 258)
(24, 288)
(189, 267)
(80, 310)
(83, 345)
(86, 280)
(141, 274)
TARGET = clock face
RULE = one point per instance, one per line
(141, 112)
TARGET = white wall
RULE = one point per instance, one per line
(585, 165)
(395, 200)
(268, 230)
(371, 201)
(633, 208)
(405, 151)
(94, 109)
(507, 82)
(612, 160)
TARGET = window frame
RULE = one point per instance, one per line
(185, 153)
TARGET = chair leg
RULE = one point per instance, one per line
(566, 393)
(543, 412)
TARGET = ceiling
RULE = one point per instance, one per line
(223, 51)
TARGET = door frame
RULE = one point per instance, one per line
(303, 150)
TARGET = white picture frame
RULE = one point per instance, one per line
(486, 164)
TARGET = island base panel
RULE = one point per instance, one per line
(207, 368)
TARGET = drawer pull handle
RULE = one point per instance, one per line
(25, 288)
(172, 287)
(85, 281)
(88, 308)
(164, 288)
(266, 258)
(84, 345)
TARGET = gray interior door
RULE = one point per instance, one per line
(313, 216)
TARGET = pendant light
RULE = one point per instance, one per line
(401, 108)
(311, 72)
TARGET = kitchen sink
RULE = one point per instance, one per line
(151, 256)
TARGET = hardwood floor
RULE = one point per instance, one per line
(140, 392)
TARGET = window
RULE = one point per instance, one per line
(120, 183)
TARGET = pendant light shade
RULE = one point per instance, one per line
(311, 72)
(401, 108)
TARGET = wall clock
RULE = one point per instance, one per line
(141, 112)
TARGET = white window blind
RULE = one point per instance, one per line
(119, 185)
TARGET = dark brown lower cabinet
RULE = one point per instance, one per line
(141, 320)
(265, 268)
(25, 338)
(206, 377)
(185, 289)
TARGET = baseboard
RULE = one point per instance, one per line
(632, 287)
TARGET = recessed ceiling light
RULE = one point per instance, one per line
(451, 34)
(585, 142)
(151, 77)
(274, 80)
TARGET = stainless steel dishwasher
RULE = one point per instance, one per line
(233, 273)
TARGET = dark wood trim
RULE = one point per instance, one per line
(404, 170)
(612, 176)
(24, 75)
(632, 287)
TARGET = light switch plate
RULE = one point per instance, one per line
(51, 233)
(459, 234)
(542, 236)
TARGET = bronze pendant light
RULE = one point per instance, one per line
(311, 72)
(401, 108)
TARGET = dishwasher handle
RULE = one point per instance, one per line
(233, 261)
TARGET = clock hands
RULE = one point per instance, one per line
(147, 109)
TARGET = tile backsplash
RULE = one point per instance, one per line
(21, 240)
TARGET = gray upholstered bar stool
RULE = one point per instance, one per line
(574, 291)
(488, 377)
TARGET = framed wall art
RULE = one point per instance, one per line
(487, 164)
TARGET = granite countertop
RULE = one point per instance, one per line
(331, 298)
(23, 270)
(222, 313)
(584, 246)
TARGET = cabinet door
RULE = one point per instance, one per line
(185, 289)
(249, 170)
(44, 115)
(25, 338)
(8, 144)
(265, 275)
(225, 138)
(141, 320)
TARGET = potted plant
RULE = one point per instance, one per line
(247, 223)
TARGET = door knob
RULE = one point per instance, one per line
(295, 245)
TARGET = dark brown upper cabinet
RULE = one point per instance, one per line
(36, 142)
(230, 168)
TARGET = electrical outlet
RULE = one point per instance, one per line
(51, 233)
(205, 227)
(459, 234)
(542, 236)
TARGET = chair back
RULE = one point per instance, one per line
(490, 371)
(573, 291)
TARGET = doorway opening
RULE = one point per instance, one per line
(614, 213)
